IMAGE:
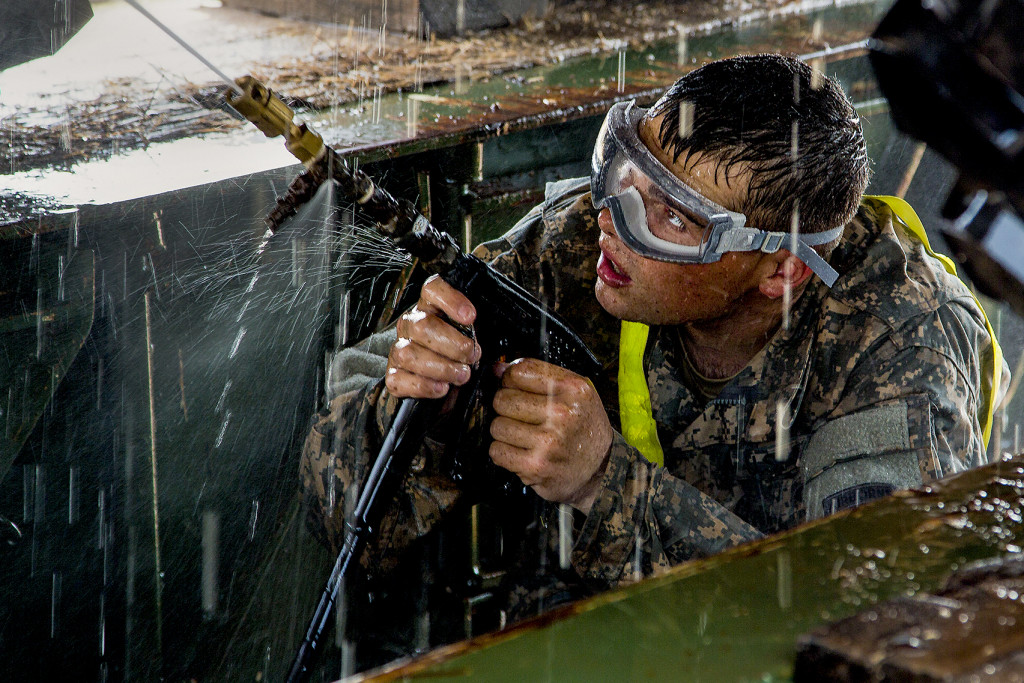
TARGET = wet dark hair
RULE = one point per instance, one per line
(744, 110)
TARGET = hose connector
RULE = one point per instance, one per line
(273, 117)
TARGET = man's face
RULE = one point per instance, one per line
(632, 287)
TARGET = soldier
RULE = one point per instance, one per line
(802, 351)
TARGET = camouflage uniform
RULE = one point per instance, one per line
(876, 383)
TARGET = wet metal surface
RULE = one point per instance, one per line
(971, 629)
(737, 616)
(163, 462)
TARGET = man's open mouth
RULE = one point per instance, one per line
(610, 272)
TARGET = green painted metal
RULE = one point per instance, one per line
(738, 616)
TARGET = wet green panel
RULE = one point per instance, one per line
(737, 616)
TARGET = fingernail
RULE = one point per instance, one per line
(462, 374)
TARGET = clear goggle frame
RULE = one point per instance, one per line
(637, 189)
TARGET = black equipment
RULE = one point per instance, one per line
(953, 72)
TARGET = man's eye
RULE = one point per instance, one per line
(675, 220)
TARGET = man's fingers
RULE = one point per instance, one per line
(409, 356)
(537, 377)
(428, 331)
(437, 296)
(405, 384)
(522, 406)
(551, 431)
(514, 433)
(514, 459)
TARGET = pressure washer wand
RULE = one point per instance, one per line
(396, 219)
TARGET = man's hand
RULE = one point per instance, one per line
(551, 431)
(430, 355)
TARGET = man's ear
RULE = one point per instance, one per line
(788, 269)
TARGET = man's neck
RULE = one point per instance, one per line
(722, 347)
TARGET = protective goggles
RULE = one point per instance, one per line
(642, 195)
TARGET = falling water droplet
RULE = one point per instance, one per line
(817, 69)
(73, 494)
(377, 92)
(211, 552)
(565, 539)
(223, 397)
(65, 132)
(784, 583)
(62, 265)
(223, 429)
(159, 229)
(787, 291)
(254, 516)
(621, 75)
(686, 110)
(412, 116)
(181, 385)
(39, 322)
(55, 591)
(460, 17)
(782, 421)
(28, 492)
(103, 633)
(816, 30)
(345, 313)
(237, 342)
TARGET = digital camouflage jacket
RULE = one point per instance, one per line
(875, 385)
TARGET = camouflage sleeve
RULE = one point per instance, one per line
(338, 453)
(354, 366)
(645, 520)
(909, 413)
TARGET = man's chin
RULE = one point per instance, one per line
(617, 302)
(611, 301)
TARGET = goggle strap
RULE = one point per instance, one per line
(813, 259)
(816, 238)
(746, 239)
(819, 265)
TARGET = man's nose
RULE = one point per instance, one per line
(604, 221)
